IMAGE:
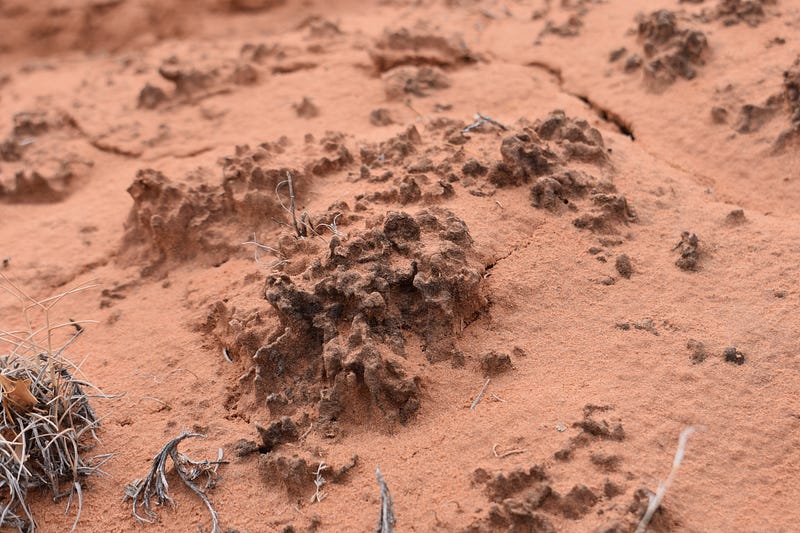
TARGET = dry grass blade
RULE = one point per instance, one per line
(257, 256)
(662, 487)
(291, 209)
(155, 485)
(47, 425)
(477, 399)
(386, 520)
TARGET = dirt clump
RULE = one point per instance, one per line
(791, 95)
(494, 363)
(151, 96)
(41, 169)
(733, 12)
(546, 153)
(594, 428)
(277, 433)
(689, 249)
(753, 117)
(403, 81)
(380, 117)
(336, 155)
(671, 51)
(732, 355)
(351, 321)
(698, 351)
(252, 5)
(735, 217)
(523, 498)
(306, 108)
(624, 266)
(194, 79)
(173, 221)
(392, 151)
(417, 47)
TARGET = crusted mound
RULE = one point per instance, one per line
(354, 323)
(548, 154)
(41, 170)
(671, 51)
(791, 95)
(526, 499)
(418, 47)
(172, 221)
(735, 11)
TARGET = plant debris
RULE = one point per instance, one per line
(386, 520)
(47, 424)
(155, 484)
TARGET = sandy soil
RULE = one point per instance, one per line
(617, 251)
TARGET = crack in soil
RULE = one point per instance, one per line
(517, 248)
(605, 114)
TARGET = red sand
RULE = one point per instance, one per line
(700, 134)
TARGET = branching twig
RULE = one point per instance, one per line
(155, 484)
(319, 481)
(334, 228)
(655, 501)
(480, 120)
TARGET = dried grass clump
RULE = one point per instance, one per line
(47, 425)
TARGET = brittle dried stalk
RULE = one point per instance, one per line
(155, 484)
(319, 481)
(386, 519)
(291, 208)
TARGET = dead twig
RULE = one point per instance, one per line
(655, 501)
(481, 120)
(334, 228)
(291, 208)
(155, 484)
(479, 396)
(319, 481)
(386, 519)
(506, 454)
(280, 260)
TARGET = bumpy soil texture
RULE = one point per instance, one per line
(504, 251)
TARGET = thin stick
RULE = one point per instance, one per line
(506, 454)
(481, 120)
(291, 208)
(387, 519)
(662, 487)
(479, 396)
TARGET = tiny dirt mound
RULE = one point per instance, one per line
(42, 155)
